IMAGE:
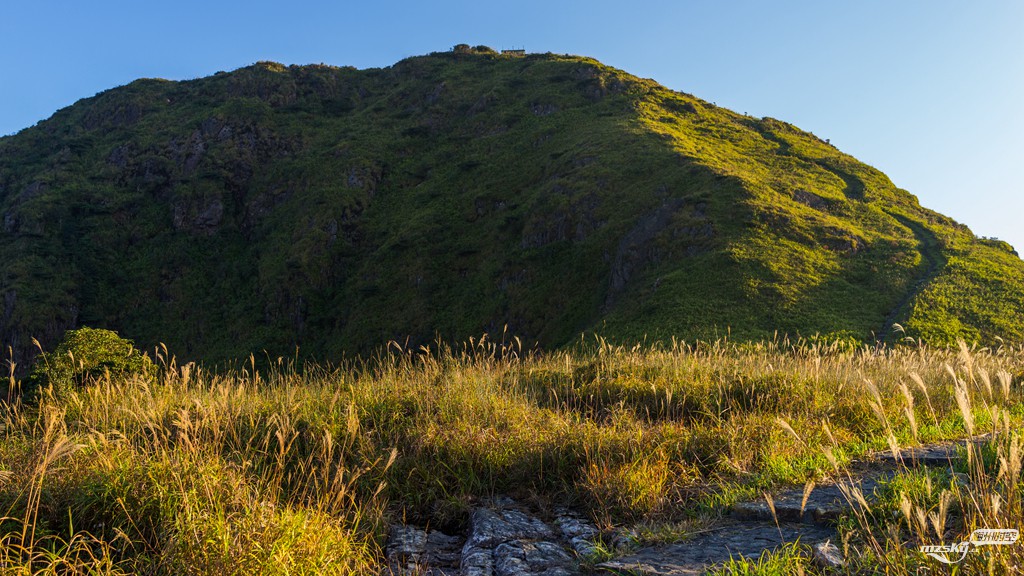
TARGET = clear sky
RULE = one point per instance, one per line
(929, 91)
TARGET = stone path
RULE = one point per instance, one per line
(504, 539)
(732, 539)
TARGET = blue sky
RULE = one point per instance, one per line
(930, 92)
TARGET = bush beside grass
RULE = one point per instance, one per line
(86, 354)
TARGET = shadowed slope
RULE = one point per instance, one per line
(456, 193)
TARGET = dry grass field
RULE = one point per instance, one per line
(300, 469)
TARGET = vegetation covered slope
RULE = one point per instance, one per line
(456, 193)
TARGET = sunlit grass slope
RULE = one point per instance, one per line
(334, 209)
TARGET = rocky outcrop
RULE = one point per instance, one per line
(503, 540)
(412, 550)
(200, 216)
(812, 200)
(638, 249)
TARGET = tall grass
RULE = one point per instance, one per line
(981, 489)
(299, 469)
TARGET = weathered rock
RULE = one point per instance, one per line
(634, 249)
(827, 555)
(731, 540)
(405, 548)
(477, 561)
(442, 551)
(811, 199)
(543, 109)
(624, 539)
(488, 528)
(413, 551)
(824, 504)
(580, 534)
(199, 216)
(521, 558)
(944, 454)
(505, 541)
(119, 156)
(828, 501)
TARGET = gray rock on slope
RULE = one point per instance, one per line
(411, 550)
(733, 539)
(508, 542)
(502, 540)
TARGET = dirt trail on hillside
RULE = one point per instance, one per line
(932, 260)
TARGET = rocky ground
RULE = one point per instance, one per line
(505, 539)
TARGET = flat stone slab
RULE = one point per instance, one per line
(734, 539)
(414, 551)
(933, 455)
(577, 531)
(827, 555)
(503, 540)
(828, 501)
(508, 542)
(824, 504)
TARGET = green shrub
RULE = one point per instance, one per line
(84, 354)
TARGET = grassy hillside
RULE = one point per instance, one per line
(334, 209)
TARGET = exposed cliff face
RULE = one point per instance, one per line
(452, 194)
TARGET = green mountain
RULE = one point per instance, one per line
(334, 209)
